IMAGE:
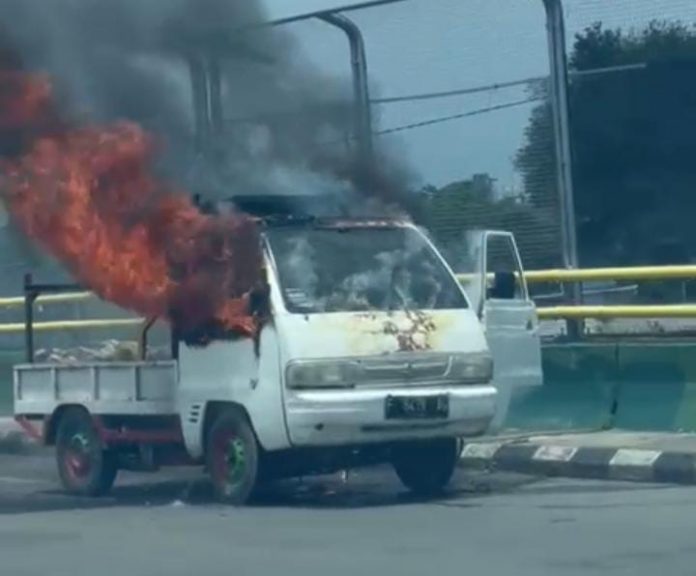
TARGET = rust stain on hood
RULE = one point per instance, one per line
(414, 334)
(369, 334)
(403, 331)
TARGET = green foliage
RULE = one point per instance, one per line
(633, 145)
(467, 205)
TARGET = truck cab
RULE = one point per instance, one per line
(372, 351)
(372, 344)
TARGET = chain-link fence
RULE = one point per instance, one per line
(461, 104)
(454, 87)
(633, 106)
(632, 112)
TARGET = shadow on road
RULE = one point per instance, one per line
(364, 489)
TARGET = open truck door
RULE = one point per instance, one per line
(494, 281)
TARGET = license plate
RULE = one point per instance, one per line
(416, 407)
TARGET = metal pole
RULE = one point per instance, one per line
(561, 124)
(555, 23)
(361, 90)
(201, 102)
(215, 95)
(29, 297)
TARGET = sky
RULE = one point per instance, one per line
(437, 45)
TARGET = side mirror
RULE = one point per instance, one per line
(504, 286)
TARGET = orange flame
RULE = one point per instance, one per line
(89, 197)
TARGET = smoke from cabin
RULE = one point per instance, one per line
(287, 127)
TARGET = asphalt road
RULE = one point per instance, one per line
(488, 524)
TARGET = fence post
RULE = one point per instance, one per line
(555, 23)
(29, 297)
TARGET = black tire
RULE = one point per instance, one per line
(232, 458)
(85, 469)
(426, 467)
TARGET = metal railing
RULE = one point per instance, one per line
(685, 272)
(638, 273)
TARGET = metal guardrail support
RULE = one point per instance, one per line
(29, 297)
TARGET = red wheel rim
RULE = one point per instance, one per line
(78, 458)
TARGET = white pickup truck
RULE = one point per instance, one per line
(373, 353)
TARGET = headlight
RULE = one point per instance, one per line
(322, 374)
(471, 367)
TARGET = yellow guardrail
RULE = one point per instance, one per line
(608, 312)
(598, 274)
(532, 276)
(685, 272)
(15, 301)
(546, 313)
(17, 327)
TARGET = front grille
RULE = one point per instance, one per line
(408, 370)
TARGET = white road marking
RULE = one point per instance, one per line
(555, 453)
(631, 457)
(15, 480)
(482, 450)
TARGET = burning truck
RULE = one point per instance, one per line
(305, 338)
(363, 348)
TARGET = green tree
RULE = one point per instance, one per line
(633, 145)
(466, 205)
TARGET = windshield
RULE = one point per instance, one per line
(361, 269)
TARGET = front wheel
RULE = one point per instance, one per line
(426, 467)
(233, 458)
(84, 467)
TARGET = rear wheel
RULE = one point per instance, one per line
(426, 467)
(84, 467)
(233, 458)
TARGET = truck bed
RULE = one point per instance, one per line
(128, 388)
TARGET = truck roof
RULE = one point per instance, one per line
(315, 210)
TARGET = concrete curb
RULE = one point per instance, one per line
(637, 465)
(13, 440)
(514, 454)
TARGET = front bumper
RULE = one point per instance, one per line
(352, 417)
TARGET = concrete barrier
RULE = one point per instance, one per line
(628, 385)
(579, 390)
(657, 386)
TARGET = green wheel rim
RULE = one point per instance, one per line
(236, 461)
(229, 461)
